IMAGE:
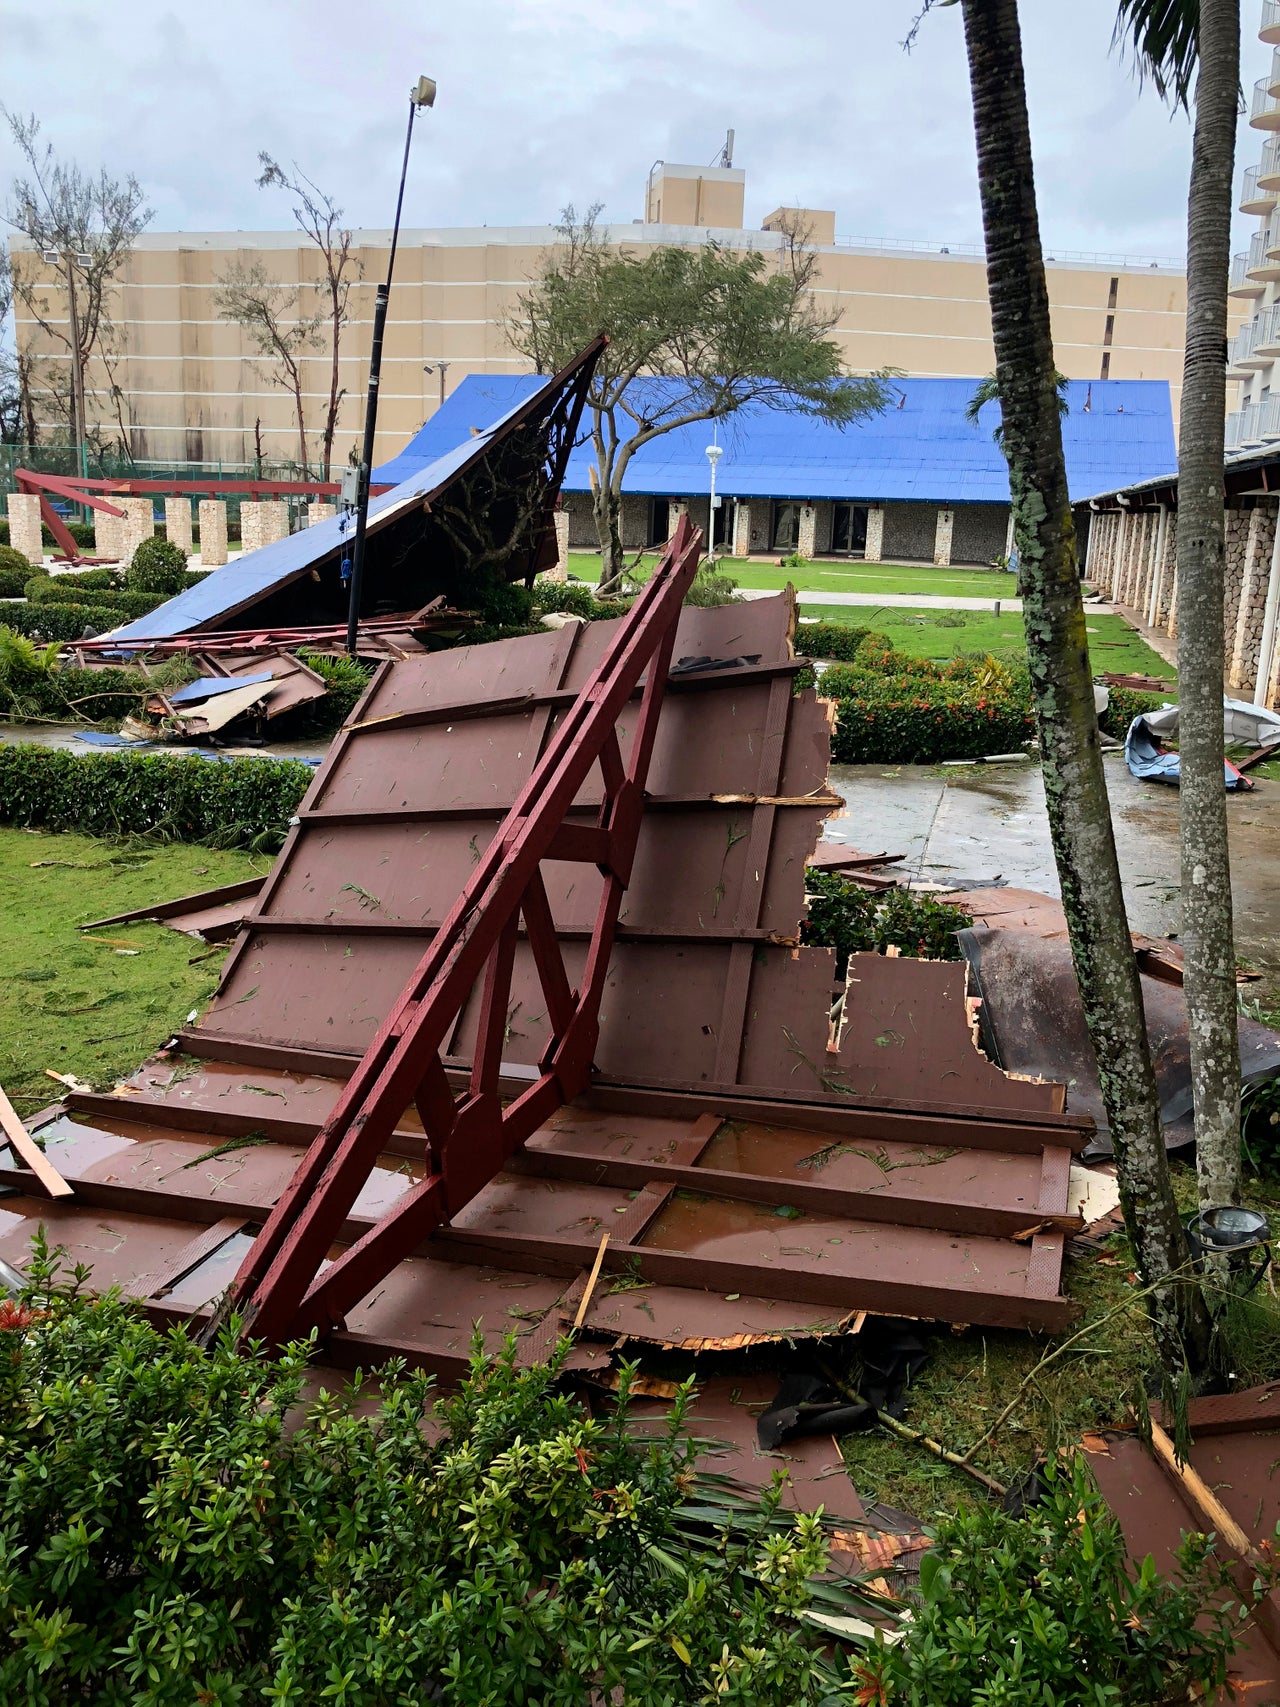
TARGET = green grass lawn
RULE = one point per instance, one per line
(81, 1006)
(937, 634)
(847, 577)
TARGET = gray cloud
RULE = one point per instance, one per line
(548, 101)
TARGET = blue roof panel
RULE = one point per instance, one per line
(920, 449)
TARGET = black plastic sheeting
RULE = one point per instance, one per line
(1033, 1023)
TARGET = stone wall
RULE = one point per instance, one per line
(318, 511)
(979, 532)
(1244, 637)
(910, 531)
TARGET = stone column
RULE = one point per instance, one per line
(263, 524)
(24, 526)
(108, 534)
(742, 529)
(139, 523)
(1245, 643)
(177, 522)
(1008, 535)
(807, 532)
(1168, 570)
(561, 570)
(875, 534)
(942, 537)
(213, 532)
(318, 511)
(676, 510)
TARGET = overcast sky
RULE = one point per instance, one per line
(548, 101)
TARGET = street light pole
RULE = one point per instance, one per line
(423, 95)
(714, 453)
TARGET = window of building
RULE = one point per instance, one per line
(849, 529)
(786, 526)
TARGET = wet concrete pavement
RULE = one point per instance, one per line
(965, 825)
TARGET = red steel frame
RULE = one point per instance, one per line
(279, 1291)
(80, 491)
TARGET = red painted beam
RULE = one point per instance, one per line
(73, 486)
(275, 1292)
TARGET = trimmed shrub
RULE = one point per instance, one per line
(51, 591)
(830, 640)
(185, 1525)
(61, 622)
(15, 571)
(1127, 703)
(552, 597)
(100, 580)
(225, 803)
(898, 721)
(156, 567)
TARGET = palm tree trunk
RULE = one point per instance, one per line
(1207, 935)
(1062, 684)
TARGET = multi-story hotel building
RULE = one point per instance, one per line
(190, 387)
(1255, 273)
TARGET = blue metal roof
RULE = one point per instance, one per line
(242, 583)
(921, 448)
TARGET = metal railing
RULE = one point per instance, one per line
(1250, 194)
(1269, 418)
(1240, 263)
(1086, 257)
(1249, 434)
(1239, 347)
(1264, 102)
(1258, 244)
(1270, 16)
(1231, 440)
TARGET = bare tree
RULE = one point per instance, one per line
(83, 228)
(316, 215)
(271, 313)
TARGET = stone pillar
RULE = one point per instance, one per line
(742, 529)
(561, 570)
(807, 532)
(942, 537)
(1008, 535)
(139, 524)
(875, 534)
(108, 534)
(177, 522)
(24, 526)
(213, 533)
(318, 511)
(1244, 645)
(263, 524)
(1168, 569)
(677, 509)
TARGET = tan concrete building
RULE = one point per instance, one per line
(193, 391)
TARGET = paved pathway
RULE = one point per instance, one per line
(908, 601)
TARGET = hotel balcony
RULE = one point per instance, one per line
(1269, 29)
(1262, 263)
(1250, 427)
(1269, 419)
(1266, 338)
(1241, 283)
(1241, 361)
(1231, 442)
(1254, 199)
(1269, 166)
(1264, 109)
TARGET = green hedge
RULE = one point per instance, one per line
(71, 695)
(1127, 703)
(13, 582)
(224, 803)
(99, 580)
(60, 622)
(831, 640)
(895, 723)
(45, 590)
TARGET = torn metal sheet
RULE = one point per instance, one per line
(1021, 959)
(1236, 1443)
(213, 914)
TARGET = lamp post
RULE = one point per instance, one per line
(714, 453)
(442, 368)
(423, 94)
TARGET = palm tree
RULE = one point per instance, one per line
(1062, 683)
(1175, 42)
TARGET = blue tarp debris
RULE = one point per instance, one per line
(1148, 759)
(208, 686)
